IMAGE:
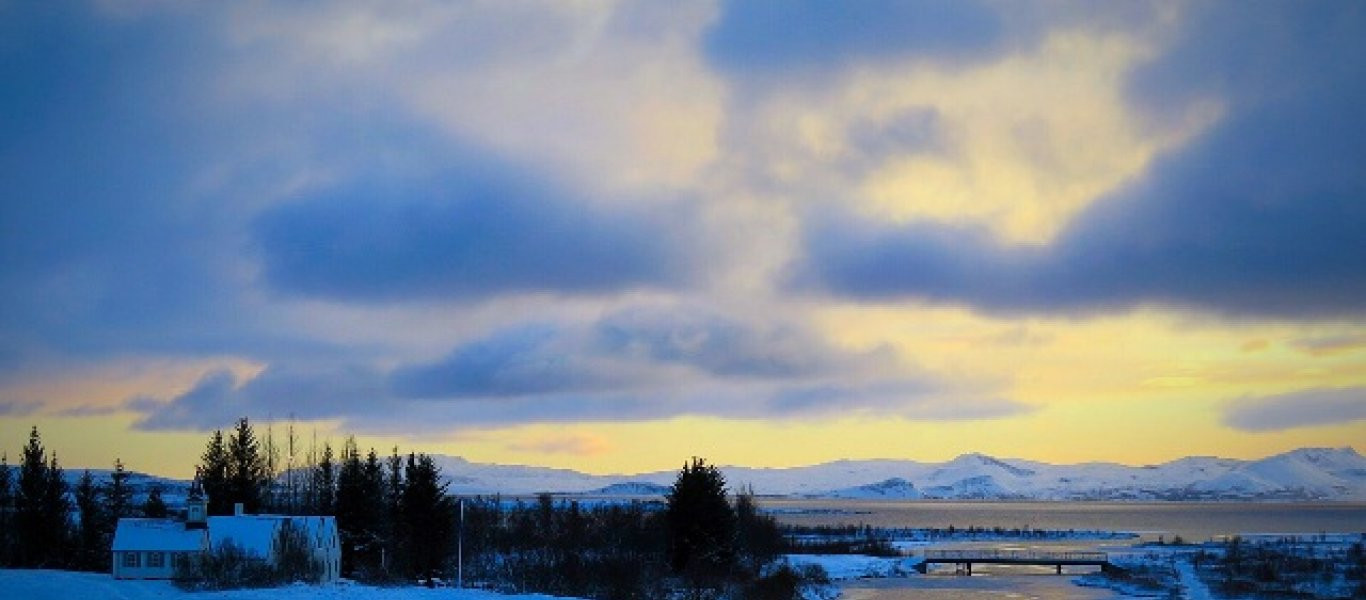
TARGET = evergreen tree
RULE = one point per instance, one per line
(155, 507)
(699, 522)
(118, 495)
(92, 538)
(57, 514)
(758, 539)
(353, 522)
(395, 530)
(6, 507)
(213, 475)
(40, 508)
(428, 517)
(325, 483)
(247, 477)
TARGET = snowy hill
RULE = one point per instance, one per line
(1304, 474)
(632, 488)
(894, 488)
(173, 491)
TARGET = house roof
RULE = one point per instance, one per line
(256, 533)
(157, 535)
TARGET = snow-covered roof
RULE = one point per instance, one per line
(164, 535)
(256, 533)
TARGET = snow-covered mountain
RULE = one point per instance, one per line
(888, 489)
(1304, 474)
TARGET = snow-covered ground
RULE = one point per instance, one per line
(34, 584)
(854, 566)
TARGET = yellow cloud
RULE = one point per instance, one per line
(1019, 145)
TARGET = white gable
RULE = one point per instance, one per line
(152, 535)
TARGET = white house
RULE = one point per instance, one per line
(150, 548)
(256, 534)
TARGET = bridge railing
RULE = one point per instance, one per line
(1015, 555)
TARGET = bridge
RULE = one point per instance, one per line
(964, 559)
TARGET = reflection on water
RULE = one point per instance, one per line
(977, 587)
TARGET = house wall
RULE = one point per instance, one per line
(144, 569)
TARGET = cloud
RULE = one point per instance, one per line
(1330, 345)
(1260, 216)
(1304, 408)
(480, 230)
(304, 392)
(753, 37)
(641, 363)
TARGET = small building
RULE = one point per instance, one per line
(257, 536)
(151, 548)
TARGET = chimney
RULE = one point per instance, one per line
(237, 509)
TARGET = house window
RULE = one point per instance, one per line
(156, 559)
(130, 559)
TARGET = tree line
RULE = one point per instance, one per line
(398, 523)
(47, 523)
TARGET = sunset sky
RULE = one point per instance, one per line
(610, 235)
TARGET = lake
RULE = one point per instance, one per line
(1194, 521)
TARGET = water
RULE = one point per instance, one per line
(1195, 521)
(977, 587)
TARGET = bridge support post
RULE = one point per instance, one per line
(1060, 569)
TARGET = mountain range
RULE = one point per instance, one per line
(1303, 474)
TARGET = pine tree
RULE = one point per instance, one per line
(352, 505)
(6, 507)
(214, 475)
(40, 508)
(360, 508)
(428, 517)
(395, 531)
(92, 545)
(118, 495)
(247, 476)
(325, 483)
(700, 523)
(155, 507)
(57, 514)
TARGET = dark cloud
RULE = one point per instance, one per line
(637, 364)
(1263, 215)
(518, 362)
(308, 393)
(764, 36)
(479, 230)
(1304, 408)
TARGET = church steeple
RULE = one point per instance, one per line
(196, 505)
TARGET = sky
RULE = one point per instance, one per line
(613, 234)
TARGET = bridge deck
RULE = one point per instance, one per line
(1017, 557)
